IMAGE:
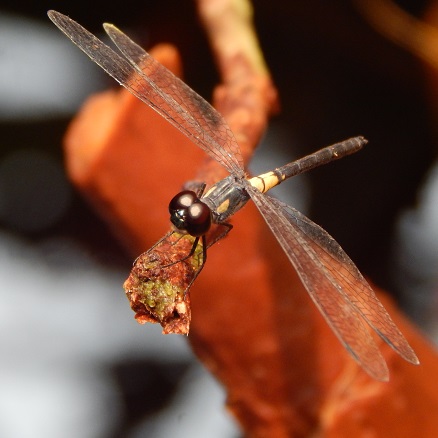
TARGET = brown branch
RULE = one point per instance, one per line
(247, 96)
(416, 36)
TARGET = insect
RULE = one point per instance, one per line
(334, 283)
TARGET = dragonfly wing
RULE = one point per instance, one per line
(335, 284)
(155, 85)
(208, 118)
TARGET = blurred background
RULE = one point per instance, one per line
(73, 360)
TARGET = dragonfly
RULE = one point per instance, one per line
(334, 283)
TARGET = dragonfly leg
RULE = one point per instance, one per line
(190, 253)
(201, 267)
(228, 228)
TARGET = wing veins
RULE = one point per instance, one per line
(324, 286)
(132, 77)
(211, 119)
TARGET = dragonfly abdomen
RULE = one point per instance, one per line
(268, 180)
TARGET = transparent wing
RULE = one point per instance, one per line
(155, 85)
(335, 284)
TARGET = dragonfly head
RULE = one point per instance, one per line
(188, 213)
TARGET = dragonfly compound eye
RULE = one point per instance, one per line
(198, 219)
(188, 213)
(182, 201)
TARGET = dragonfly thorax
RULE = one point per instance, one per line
(225, 198)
